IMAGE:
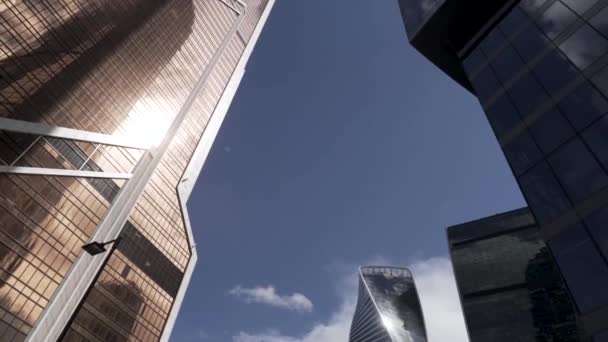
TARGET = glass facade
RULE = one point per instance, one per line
(388, 308)
(125, 69)
(509, 286)
(540, 71)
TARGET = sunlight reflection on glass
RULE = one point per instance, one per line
(147, 124)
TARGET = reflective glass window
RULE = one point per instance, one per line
(531, 6)
(583, 105)
(513, 22)
(502, 116)
(582, 266)
(507, 64)
(473, 62)
(531, 42)
(485, 84)
(522, 152)
(580, 6)
(577, 170)
(543, 193)
(596, 137)
(600, 21)
(493, 42)
(597, 223)
(527, 94)
(555, 19)
(584, 47)
(550, 130)
(554, 71)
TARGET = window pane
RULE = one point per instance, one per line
(513, 22)
(473, 62)
(600, 21)
(585, 272)
(554, 71)
(555, 19)
(543, 193)
(485, 84)
(597, 223)
(583, 105)
(584, 47)
(527, 94)
(597, 138)
(578, 171)
(551, 130)
(521, 152)
(493, 42)
(580, 6)
(532, 6)
(530, 43)
(507, 64)
(502, 116)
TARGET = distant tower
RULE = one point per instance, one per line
(388, 308)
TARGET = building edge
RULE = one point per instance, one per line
(199, 157)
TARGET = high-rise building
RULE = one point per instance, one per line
(509, 287)
(388, 308)
(540, 71)
(108, 110)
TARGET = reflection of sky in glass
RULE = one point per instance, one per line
(397, 301)
(417, 12)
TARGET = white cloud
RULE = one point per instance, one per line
(268, 295)
(438, 294)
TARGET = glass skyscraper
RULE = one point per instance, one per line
(509, 287)
(108, 110)
(388, 308)
(540, 71)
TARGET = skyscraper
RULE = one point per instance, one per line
(509, 287)
(388, 308)
(539, 70)
(108, 110)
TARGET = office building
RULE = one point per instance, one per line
(539, 70)
(388, 308)
(509, 287)
(108, 110)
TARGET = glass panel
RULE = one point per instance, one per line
(531, 42)
(597, 138)
(493, 42)
(502, 116)
(584, 47)
(580, 6)
(582, 266)
(532, 6)
(584, 105)
(543, 193)
(600, 21)
(597, 223)
(507, 64)
(555, 19)
(522, 153)
(473, 62)
(485, 84)
(513, 22)
(551, 130)
(554, 71)
(577, 170)
(527, 94)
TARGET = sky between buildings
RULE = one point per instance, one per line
(343, 146)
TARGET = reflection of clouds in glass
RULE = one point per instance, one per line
(417, 12)
(580, 6)
(555, 19)
(531, 6)
(584, 47)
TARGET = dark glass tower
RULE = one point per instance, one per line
(388, 308)
(539, 70)
(509, 287)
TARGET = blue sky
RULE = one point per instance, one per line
(343, 146)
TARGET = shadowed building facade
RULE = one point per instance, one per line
(388, 308)
(540, 71)
(509, 287)
(108, 110)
